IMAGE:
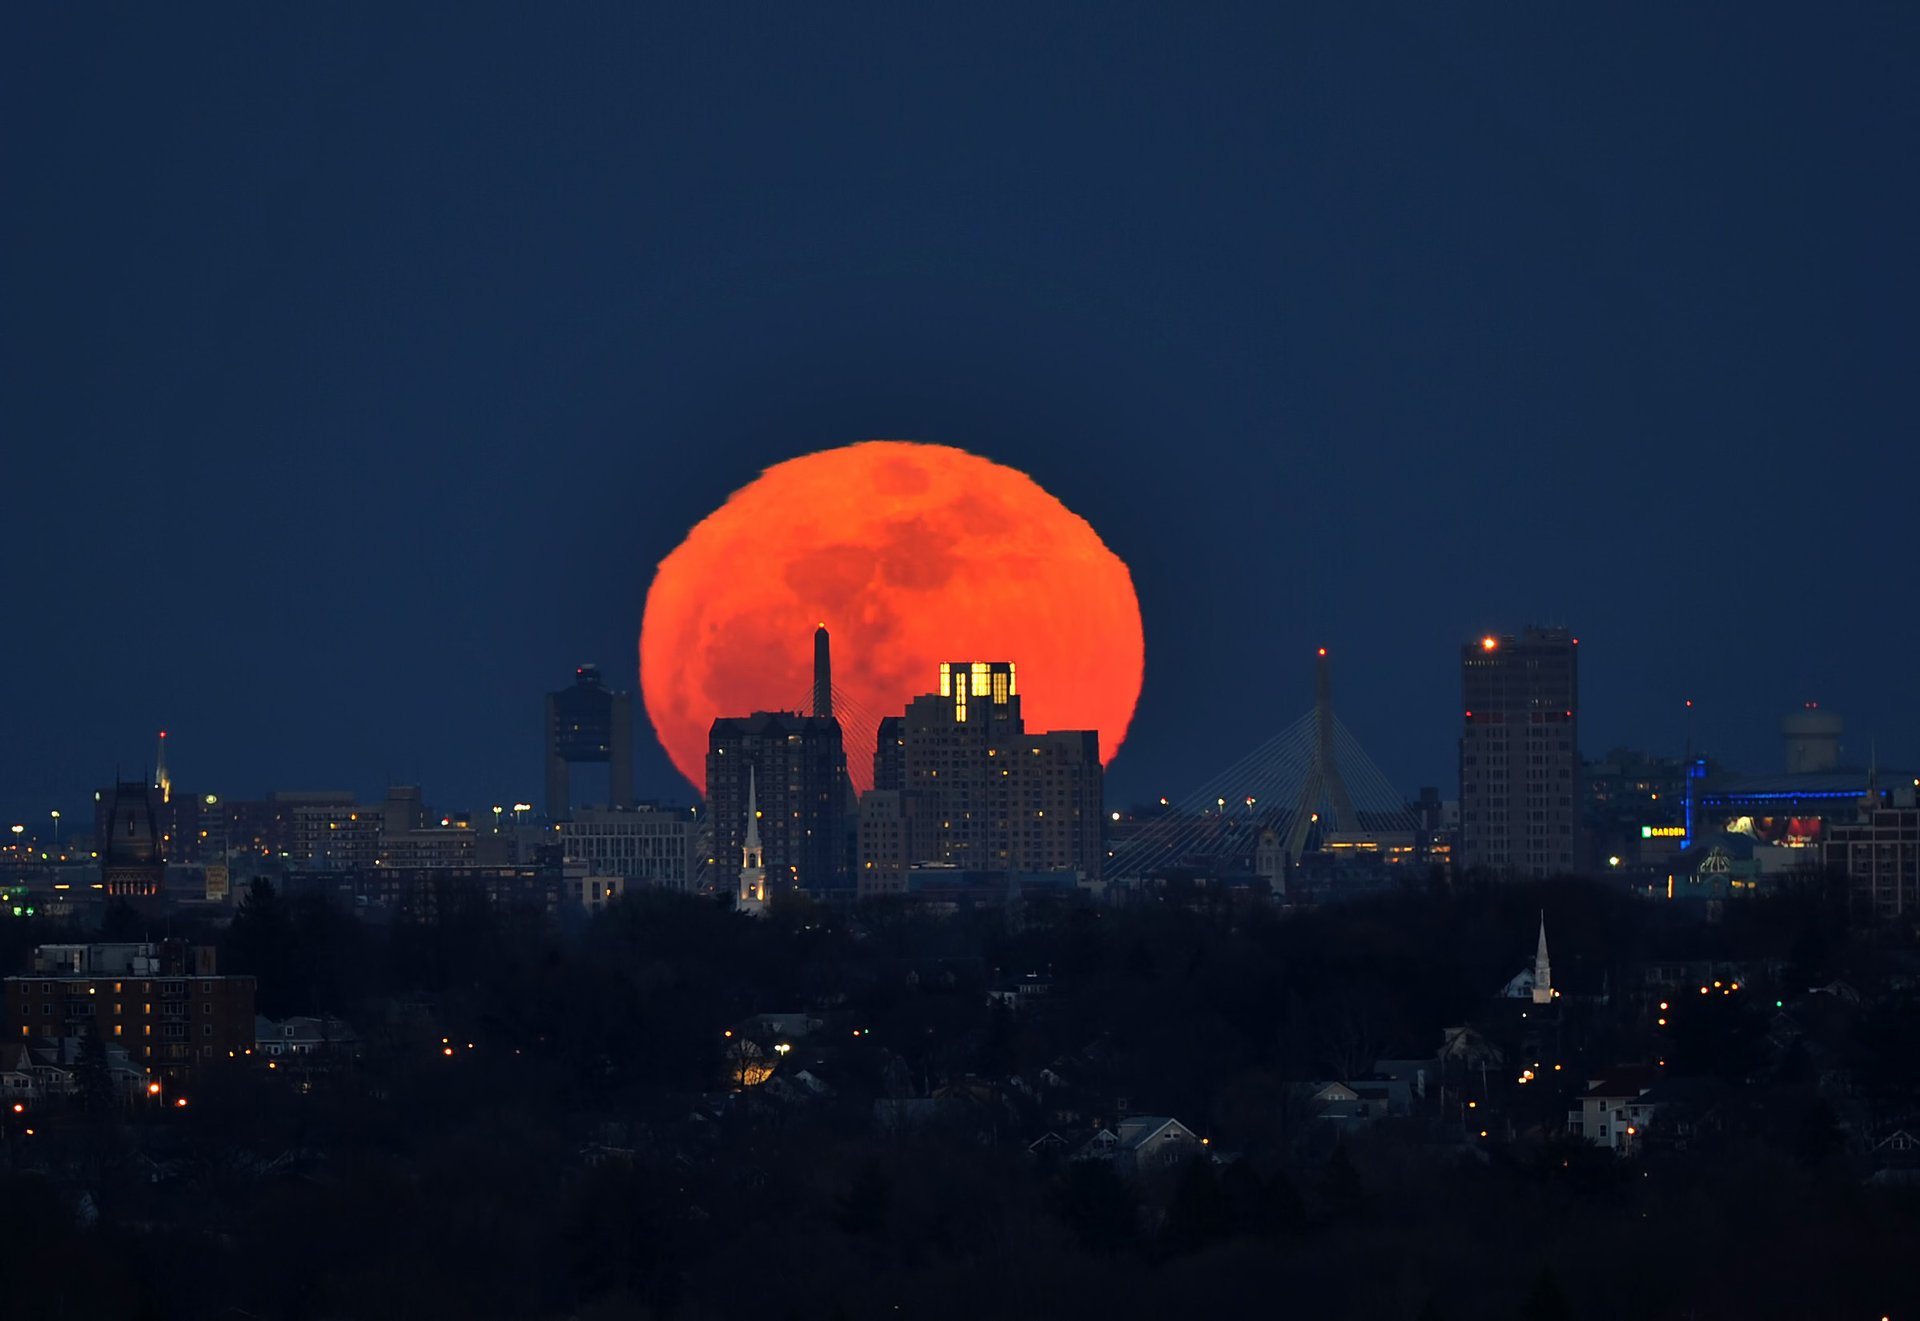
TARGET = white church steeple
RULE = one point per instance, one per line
(1542, 968)
(753, 862)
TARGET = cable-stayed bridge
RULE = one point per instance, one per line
(1309, 787)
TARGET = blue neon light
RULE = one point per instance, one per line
(1696, 770)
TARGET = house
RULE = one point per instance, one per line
(788, 1026)
(1049, 1144)
(1015, 992)
(20, 1074)
(1100, 1146)
(298, 1036)
(1149, 1142)
(1896, 1159)
(1615, 1108)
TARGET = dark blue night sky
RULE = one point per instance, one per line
(359, 366)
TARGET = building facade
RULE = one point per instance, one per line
(1520, 803)
(959, 781)
(132, 844)
(643, 846)
(164, 1003)
(796, 768)
(1880, 856)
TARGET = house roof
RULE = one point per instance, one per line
(1138, 1131)
(1625, 1081)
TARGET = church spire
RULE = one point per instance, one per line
(1542, 968)
(753, 868)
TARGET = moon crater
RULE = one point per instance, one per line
(911, 554)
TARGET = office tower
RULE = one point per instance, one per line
(1519, 752)
(404, 810)
(960, 781)
(795, 767)
(588, 723)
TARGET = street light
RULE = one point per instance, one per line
(56, 829)
(497, 810)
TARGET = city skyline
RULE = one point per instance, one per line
(1455, 337)
(1764, 738)
(866, 661)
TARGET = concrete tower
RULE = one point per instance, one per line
(1812, 737)
(753, 859)
(588, 723)
(1542, 968)
(1324, 781)
(822, 673)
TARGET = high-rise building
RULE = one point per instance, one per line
(958, 780)
(796, 767)
(1519, 752)
(588, 723)
(893, 832)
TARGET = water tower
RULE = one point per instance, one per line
(1813, 739)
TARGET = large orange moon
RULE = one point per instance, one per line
(911, 554)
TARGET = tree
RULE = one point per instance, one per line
(1199, 1213)
(95, 1077)
(1097, 1205)
(1547, 1301)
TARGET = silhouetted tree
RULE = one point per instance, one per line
(1097, 1205)
(1199, 1212)
(1547, 1301)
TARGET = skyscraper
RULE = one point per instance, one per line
(795, 768)
(588, 723)
(959, 780)
(1519, 752)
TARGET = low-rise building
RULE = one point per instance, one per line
(1880, 856)
(643, 846)
(162, 1003)
(1615, 1109)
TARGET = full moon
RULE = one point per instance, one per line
(910, 554)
